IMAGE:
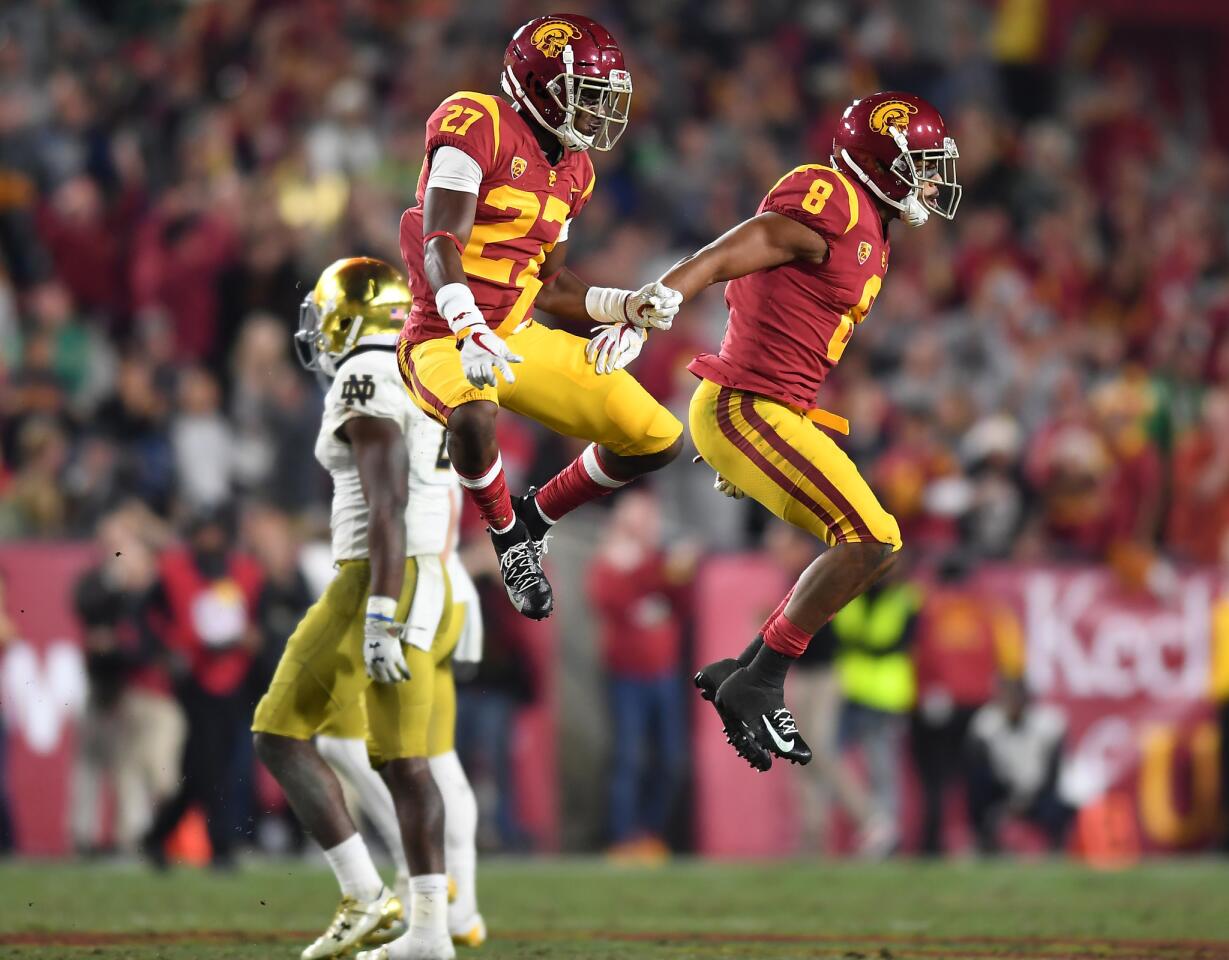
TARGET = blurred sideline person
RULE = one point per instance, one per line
(803, 273)
(385, 616)
(960, 633)
(639, 594)
(477, 276)
(1015, 761)
(133, 730)
(873, 634)
(206, 599)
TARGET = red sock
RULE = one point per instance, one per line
(582, 480)
(489, 493)
(786, 638)
(776, 613)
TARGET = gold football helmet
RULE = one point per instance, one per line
(354, 300)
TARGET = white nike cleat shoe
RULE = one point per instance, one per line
(470, 932)
(354, 922)
(409, 948)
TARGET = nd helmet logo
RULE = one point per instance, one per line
(518, 166)
(892, 115)
(553, 36)
(864, 251)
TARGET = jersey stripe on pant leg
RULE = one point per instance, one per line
(726, 399)
(405, 362)
(858, 529)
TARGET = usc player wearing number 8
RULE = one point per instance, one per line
(501, 184)
(803, 273)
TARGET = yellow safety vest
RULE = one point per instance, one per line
(873, 668)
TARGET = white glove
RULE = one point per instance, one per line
(653, 305)
(382, 653)
(615, 346)
(482, 353)
(722, 485)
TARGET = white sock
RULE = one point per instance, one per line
(460, 829)
(348, 758)
(352, 866)
(429, 907)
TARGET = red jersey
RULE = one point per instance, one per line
(523, 203)
(789, 325)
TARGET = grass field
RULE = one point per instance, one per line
(1176, 910)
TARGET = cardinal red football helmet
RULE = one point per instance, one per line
(896, 144)
(564, 68)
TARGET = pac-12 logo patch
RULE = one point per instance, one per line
(518, 166)
(552, 36)
(864, 251)
(358, 390)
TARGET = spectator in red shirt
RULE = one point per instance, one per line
(958, 633)
(638, 592)
(1199, 512)
(207, 596)
(181, 250)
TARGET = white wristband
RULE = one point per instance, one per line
(382, 608)
(455, 303)
(606, 304)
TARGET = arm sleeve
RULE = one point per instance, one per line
(469, 123)
(817, 197)
(452, 169)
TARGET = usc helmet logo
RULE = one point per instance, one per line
(553, 36)
(892, 115)
(518, 166)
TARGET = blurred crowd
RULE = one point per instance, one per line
(1043, 378)
(1047, 378)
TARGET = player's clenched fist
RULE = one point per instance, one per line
(382, 653)
(614, 346)
(653, 305)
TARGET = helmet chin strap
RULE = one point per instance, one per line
(912, 210)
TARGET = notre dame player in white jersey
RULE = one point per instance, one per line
(385, 617)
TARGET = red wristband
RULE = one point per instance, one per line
(444, 233)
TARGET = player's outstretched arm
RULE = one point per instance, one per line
(565, 295)
(384, 471)
(761, 243)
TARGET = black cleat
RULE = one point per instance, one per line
(526, 509)
(522, 573)
(757, 722)
(709, 678)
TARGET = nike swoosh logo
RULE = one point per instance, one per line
(783, 745)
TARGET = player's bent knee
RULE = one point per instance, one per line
(473, 423)
(658, 436)
(274, 749)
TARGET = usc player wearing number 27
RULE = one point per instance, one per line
(804, 272)
(502, 182)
